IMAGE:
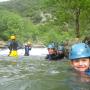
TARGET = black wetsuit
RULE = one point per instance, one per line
(12, 45)
(60, 56)
(51, 57)
(27, 48)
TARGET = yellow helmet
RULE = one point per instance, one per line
(28, 42)
(13, 37)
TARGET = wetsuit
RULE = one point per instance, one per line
(13, 46)
(51, 57)
(27, 48)
(60, 56)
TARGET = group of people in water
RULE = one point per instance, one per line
(55, 52)
(79, 56)
(79, 53)
(13, 47)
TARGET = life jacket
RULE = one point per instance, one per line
(13, 45)
(13, 53)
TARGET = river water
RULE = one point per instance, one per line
(36, 73)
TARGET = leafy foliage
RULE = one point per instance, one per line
(24, 18)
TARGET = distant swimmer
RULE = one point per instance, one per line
(28, 47)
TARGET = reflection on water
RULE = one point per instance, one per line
(25, 73)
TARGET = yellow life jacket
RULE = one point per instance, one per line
(13, 53)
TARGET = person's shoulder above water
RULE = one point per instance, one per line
(51, 57)
(87, 72)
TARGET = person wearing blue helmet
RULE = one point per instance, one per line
(60, 52)
(79, 55)
(52, 54)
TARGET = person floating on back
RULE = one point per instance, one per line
(13, 46)
(79, 55)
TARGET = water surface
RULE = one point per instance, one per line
(35, 73)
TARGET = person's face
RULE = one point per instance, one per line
(59, 52)
(81, 64)
(51, 51)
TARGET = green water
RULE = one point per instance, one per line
(25, 73)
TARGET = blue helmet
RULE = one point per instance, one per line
(51, 46)
(80, 50)
(60, 48)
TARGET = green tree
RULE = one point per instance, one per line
(70, 11)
